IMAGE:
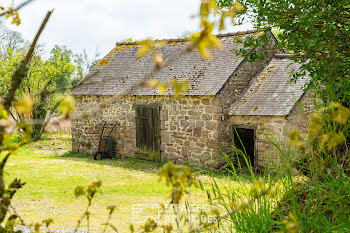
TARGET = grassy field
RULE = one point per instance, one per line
(51, 174)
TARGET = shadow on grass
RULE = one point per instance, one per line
(125, 163)
(52, 141)
(147, 166)
(243, 174)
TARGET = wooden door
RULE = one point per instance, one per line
(148, 132)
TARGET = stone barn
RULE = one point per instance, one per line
(225, 93)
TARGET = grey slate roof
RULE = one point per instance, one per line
(272, 93)
(124, 71)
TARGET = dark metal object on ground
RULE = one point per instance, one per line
(106, 143)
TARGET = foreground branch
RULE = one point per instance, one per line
(22, 70)
(23, 4)
(20, 73)
(17, 78)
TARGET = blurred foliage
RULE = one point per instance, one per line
(67, 105)
(179, 87)
(209, 9)
(10, 13)
(151, 46)
(317, 30)
(202, 41)
(326, 140)
(179, 178)
(54, 74)
(46, 79)
(89, 193)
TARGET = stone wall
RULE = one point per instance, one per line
(189, 125)
(239, 82)
(264, 126)
(192, 127)
(275, 128)
(297, 118)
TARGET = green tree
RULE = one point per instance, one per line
(53, 78)
(8, 64)
(62, 60)
(45, 82)
(316, 29)
(8, 100)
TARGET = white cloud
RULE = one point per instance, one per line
(91, 24)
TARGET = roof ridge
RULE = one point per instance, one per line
(220, 35)
(287, 55)
(236, 33)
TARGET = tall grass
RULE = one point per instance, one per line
(317, 199)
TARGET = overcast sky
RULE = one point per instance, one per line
(99, 24)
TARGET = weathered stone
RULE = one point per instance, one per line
(191, 124)
(205, 101)
(197, 132)
(210, 126)
(188, 119)
(199, 124)
(212, 109)
(206, 117)
(171, 149)
(184, 123)
(197, 115)
(180, 122)
(179, 141)
(184, 151)
(164, 135)
(164, 114)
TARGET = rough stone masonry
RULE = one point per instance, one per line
(224, 92)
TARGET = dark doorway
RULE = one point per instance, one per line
(245, 136)
(148, 132)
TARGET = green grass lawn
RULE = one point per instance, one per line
(51, 174)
